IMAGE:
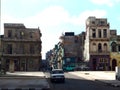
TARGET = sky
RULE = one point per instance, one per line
(55, 17)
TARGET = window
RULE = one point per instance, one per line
(76, 39)
(99, 47)
(114, 47)
(119, 48)
(104, 33)
(32, 51)
(15, 35)
(94, 47)
(21, 49)
(21, 35)
(9, 33)
(102, 22)
(9, 49)
(93, 22)
(31, 63)
(105, 47)
(99, 33)
(31, 36)
(93, 33)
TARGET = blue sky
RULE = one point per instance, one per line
(55, 17)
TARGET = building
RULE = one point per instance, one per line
(97, 52)
(59, 55)
(1, 36)
(68, 53)
(49, 58)
(21, 48)
(80, 46)
(70, 47)
(114, 49)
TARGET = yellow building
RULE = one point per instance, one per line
(115, 50)
(114, 60)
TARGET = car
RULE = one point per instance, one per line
(57, 75)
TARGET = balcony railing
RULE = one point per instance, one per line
(19, 40)
(99, 53)
(97, 38)
(21, 55)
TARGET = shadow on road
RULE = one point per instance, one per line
(78, 83)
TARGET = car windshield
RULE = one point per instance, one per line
(57, 72)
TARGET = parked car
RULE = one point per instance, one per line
(57, 75)
(82, 68)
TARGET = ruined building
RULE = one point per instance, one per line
(21, 48)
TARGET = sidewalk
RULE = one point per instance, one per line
(107, 77)
(24, 81)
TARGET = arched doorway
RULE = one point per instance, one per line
(114, 64)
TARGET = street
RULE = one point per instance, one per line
(23, 81)
(74, 82)
(40, 81)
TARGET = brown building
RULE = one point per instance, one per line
(97, 51)
(1, 36)
(80, 47)
(21, 48)
(73, 46)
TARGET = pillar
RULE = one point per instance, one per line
(11, 66)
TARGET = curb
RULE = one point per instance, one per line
(109, 84)
(19, 77)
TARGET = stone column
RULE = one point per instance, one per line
(11, 66)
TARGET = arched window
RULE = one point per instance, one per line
(99, 33)
(99, 47)
(94, 47)
(94, 33)
(114, 47)
(105, 47)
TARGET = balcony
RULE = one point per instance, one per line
(99, 53)
(21, 55)
(20, 40)
(98, 39)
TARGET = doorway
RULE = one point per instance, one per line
(114, 64)
(94, 64)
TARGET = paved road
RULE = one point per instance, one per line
(36, 80)
(74, 82)
(23, 81)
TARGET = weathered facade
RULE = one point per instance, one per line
(21, 48)
(114, 49)
(97, 51)
(68, 53)
(0, 52)
(80, 47)
(73, 46)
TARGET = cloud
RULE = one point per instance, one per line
(52, 21)
(55, 16)
(109, 3)
(80, 20)
(50, 16)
